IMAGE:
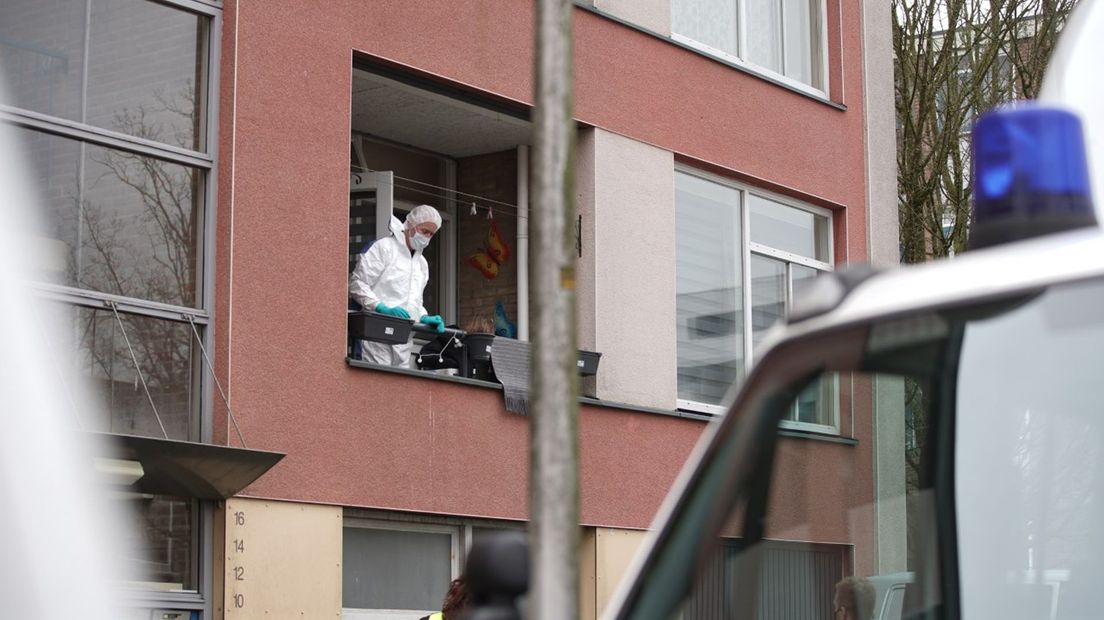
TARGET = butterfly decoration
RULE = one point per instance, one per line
(488, 259)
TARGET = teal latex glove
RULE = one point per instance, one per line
(435, 320)
(398, 311)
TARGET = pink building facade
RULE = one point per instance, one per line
(214, 168)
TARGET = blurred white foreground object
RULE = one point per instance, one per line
(1073, 80)
(56, 539)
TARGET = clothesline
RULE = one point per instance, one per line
(446, 193)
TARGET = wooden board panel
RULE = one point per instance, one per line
(614, 551)
(283, 560)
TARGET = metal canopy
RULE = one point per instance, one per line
(187, 469)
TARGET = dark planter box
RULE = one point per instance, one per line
(478, 348)
(588, 362)
(379, 327)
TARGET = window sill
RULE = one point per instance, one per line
(766, 77)
(424, 374)
(817, 436)
(583, 400)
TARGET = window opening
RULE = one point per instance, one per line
(738, 248)
(447, 153)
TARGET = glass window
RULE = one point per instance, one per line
(161, 554)
(709, 289)
(121, 223)
(726, 555)
(786, 228)
(144, 72)
(769, 294)
(782, 36)
(711, 22)
(764, 27)
(1029, 447)
(801, 41)
(395, 569)
(167, 357)
(774, 283)
(817, 404)
(789, 247)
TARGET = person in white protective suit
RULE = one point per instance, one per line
(390, 277)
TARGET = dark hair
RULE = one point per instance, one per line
(857, 595)
(456, 599)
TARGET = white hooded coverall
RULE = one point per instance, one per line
(389, 273)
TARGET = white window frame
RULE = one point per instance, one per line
(462, 536)
(458, 536)
(791, 260)
(747, 249)
(740, 59)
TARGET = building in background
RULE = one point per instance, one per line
(208, 171)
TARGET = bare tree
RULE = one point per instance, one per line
(953, 60)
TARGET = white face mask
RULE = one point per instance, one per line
(419, 241)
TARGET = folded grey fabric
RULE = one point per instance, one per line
(510, 360)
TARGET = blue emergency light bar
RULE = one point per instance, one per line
(1030, 174)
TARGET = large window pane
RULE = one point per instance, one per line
(391, 569)
(769, 292)
(709, 289)
(166, 354)
(800, 40)
(143, 74)
(764, 33)
(117, 222)
(816, 404)
(1029, 457)
(42, 55)
(802, 277)
(161, 546)
(712, 22)
(789, 229)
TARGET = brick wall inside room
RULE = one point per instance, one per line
(493, 176)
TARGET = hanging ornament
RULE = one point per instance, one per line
(473, 211)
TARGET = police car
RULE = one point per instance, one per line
(979, 491)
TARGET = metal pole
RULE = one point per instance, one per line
(553, 481)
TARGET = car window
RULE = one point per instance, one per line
(1030, 458)
(848, 521)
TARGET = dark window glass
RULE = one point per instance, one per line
(116, 222)
(167, 357)
(867, 543)
(393, 569)
(126, 65)
(161, 547)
